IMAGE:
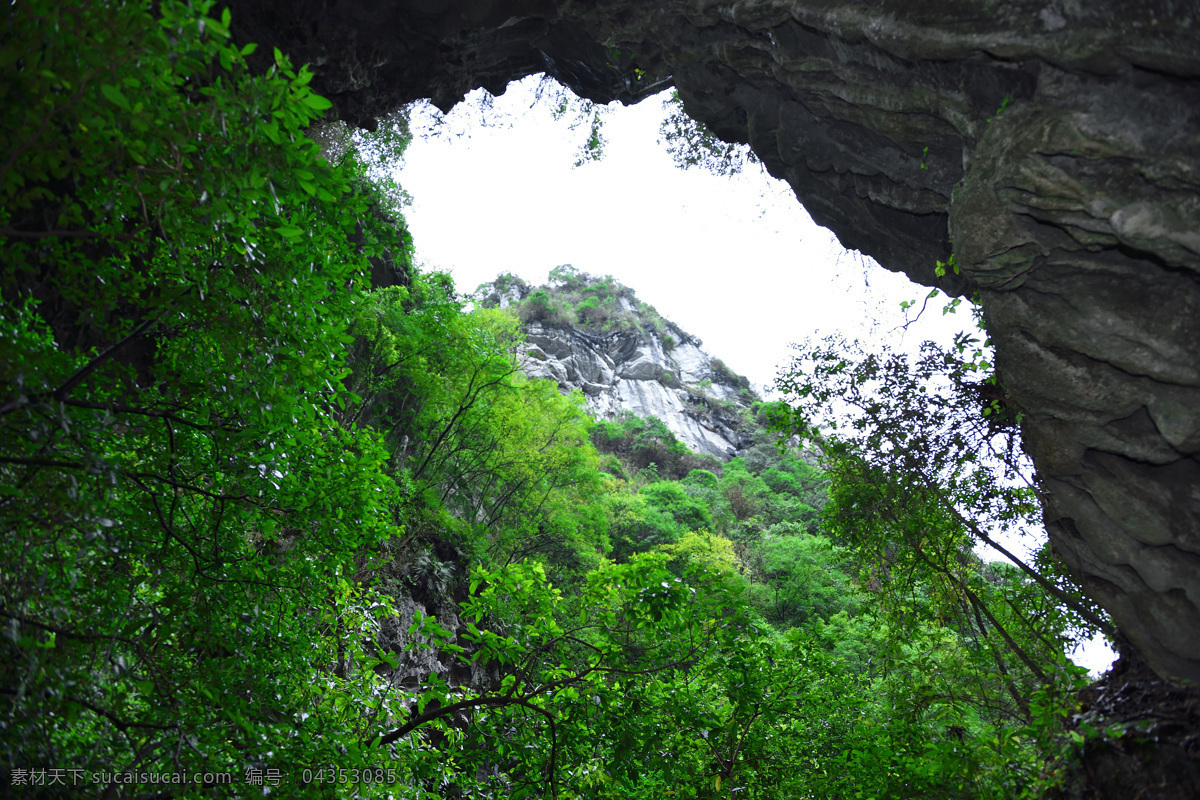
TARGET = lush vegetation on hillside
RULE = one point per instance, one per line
(574, 299)
(579, 301)
(277, 507)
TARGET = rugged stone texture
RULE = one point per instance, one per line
(635, 372)
(1089, 271)
(1147, 744)
(632, 372)
(1074, 212)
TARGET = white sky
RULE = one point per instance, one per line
(734, 261)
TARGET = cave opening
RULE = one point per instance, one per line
(498, 185)
(219, 430)
(503, 185)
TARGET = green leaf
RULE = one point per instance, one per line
(114, 96)
(271, 129)
(317, 102)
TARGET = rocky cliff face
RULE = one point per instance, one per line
(645, 371)
(1052, 146)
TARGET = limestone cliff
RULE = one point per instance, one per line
(630, 362)
(1051, 146)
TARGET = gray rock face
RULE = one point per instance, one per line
(634, 372)
(1073, 212)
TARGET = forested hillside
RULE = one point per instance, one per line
(280, 515)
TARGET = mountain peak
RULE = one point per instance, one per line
(594, 335)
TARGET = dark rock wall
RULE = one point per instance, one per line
(1074, 212)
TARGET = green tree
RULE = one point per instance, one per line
(636, 525)
(504, 461)
(580, 673)
(805, 577)
(185, 510)
(704, 549)
(922, 429)
(920, 480)
(687, 512)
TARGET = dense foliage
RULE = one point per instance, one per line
(281, 510)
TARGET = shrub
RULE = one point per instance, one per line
(602, 290)
(610, 437)
(612, 465)
(703, 549)
(701, 477)
(637, 525)
(742, 505)
(781, 482)
(651, 316)
(568, 277)
(593, 312)
(687, 511)
(723, 374)
(507, 280)
(705, 461)
(539, 307)
(574, 298)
